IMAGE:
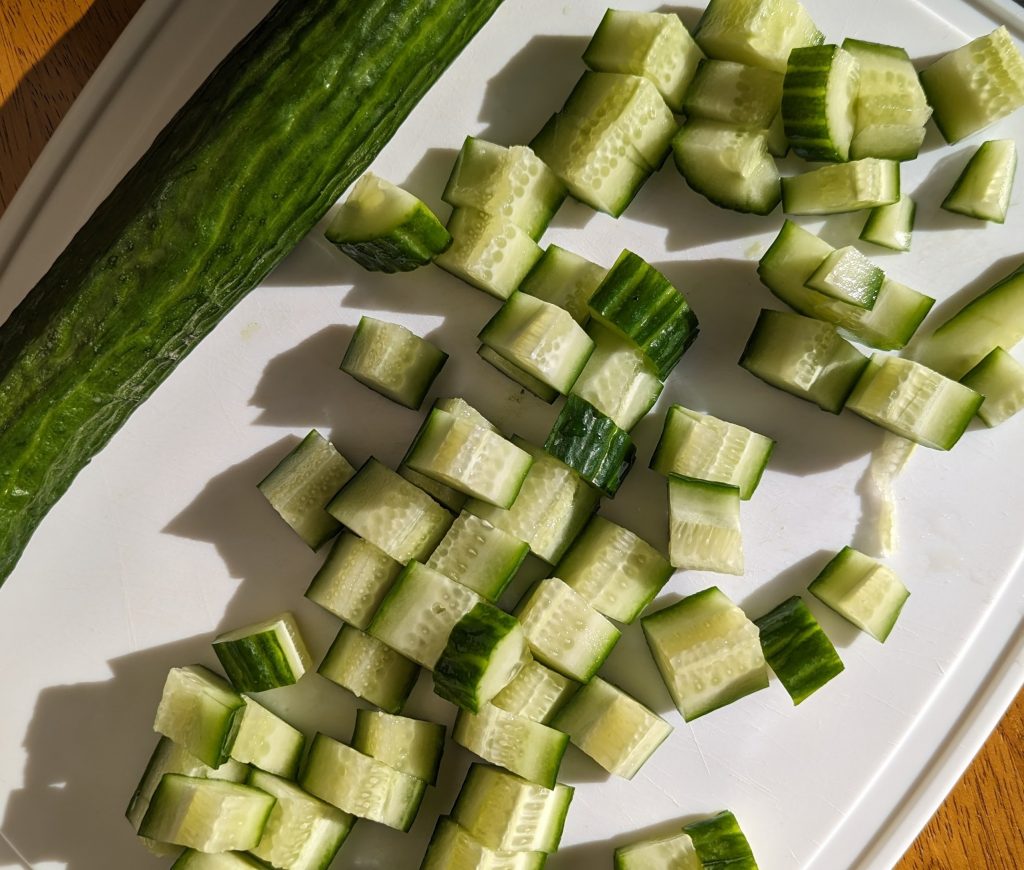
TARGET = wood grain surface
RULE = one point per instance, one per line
(48, 50)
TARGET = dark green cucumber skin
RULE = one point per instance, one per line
(591, 444)
(244, 170)
(804, 70)
(252, 664)
(720, 844)
(797, 649)
(410, 245)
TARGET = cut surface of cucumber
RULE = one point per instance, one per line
(758, 32)
(701, 446)
(268, 742)
(536, 693)
(452, 847)
(891, 226)
(614, 569)
(719, 842)
(914, 402)
(819, 102)
(797, 649)
(564, 279)
(412, 746)
(1000, 379)
(392, 514)
(614, 729)
(200, 711)
(704, 525)
(265, 655)
(190, 859)
(353, 580)
(707, 650)
(862, 591)
(522, 377)
(984, 187)
(847, 275)
(386, 229)
(369, 669)
(852, 186)
(302, 484)
(591, 444)
(479, 555)
(887, 141)
(745, 96)
(674, 852)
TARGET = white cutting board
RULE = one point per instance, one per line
(163, 540)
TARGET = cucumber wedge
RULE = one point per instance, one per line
(757, 32)
(891, 226)
(852, 186)
(412, 746)
(564, 279)
(847, 275)
(819, 102)
(984, 187)
(353, 580)
(265, 655)
(1000, 379)
(592, 445)
(536, 693)
(200, 711)
(452, 847)
(704, 525)
(369, 669)
(268, 742)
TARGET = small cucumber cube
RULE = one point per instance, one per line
(452, 847)
(265, 655)
(412, 746)
(268, 742)
(891, 226)
(591, 444)
(1000, 379)
(564, 279)
(745, 96)
(478, 555)
(984, 187)
(859, 184)
(200, 711)
(353, 580)
(369, 669)
(847, 275)
(536, 693)
(719, 841)
(757, 32)
(704, 525)
(862, 591)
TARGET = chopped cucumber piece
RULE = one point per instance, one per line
(614, 569)
(847, 275)
(1000, 379)
(208, 815)
(412, 746)
(614, 729)
(302, 483)
(975, 85)
(704, 525)
(268, 742)
(862, 591)
(391, 513)
(701, 446)
(190, 859)
(541, 339)
(983, 189)
(914, 402)
(527, 381)
(353, 580)
(719, 842)
(526, 748)
(392, 361)
(728, 164)
(452, 847)
(564, 279)
(655, 45)
(674, 852)
(757, 32)
(891, 225)
(818, 102)
(591, 444)
(707, 650)
(485, 650)
(564, 631)
(201, 712)
(852, 186)
(265, 655)
(510, 814)
(735, 93)
(488, 251)
(536, 693)
(360, 785)
(511, 183)
(639, 303)
(385, 229)
(804, 357)
(369, 669)
(551, 509)
(797, 649)
(479, 555)
(302, 832)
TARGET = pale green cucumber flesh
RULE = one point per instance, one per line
(413, 746)
(369, 669)
(1000, 379)
(704, 525)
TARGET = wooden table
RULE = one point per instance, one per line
(49, 48)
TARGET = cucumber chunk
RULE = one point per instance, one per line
(719, 842)
(508, 813)
(527, 381)
(265, 655)
(564, 631)
(704, 525)
(302, 832)
(353, 580)
(208, 815)
(511, 183)
(983, 189)
(975, 85)
(200, 711)
(360, 785)
(701, 446)
(1000, 379)
(745, 96)
(392, 361)
(386, 229)
(485, 650)
(268, 742)
(190, 859)
(804, 357)
(674, 852)
(797, 649)
(852, 186)
(369, 669)
(412, 746)
(392, 514)
(819, 102)
(614, 729)
(302, 483)
(614, 569)
(707, 650)
(536, 693)
(655, 45)
(452, 847)
(757, 32)
(914, 402)
(891, 226)
(528, 749)
(479, 555)
(591, 444)
(861, 590)
(847, 275)
(564, 279)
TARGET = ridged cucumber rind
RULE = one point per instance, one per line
(818, 102)
(265, 655)
(591, 444)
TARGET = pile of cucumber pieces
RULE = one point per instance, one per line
(422, 555)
